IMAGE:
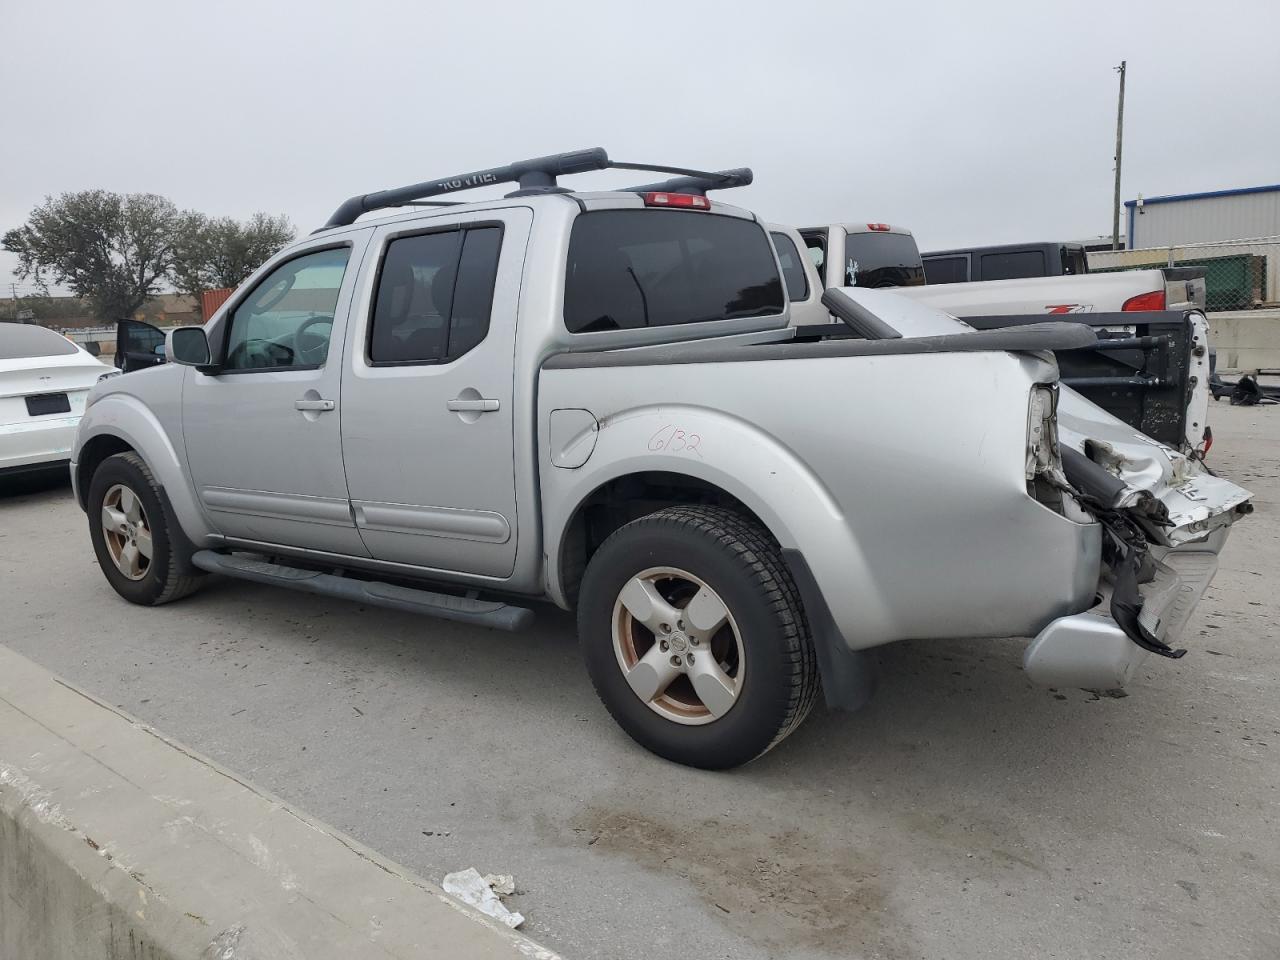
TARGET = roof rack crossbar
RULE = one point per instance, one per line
(536, 176)
(697, 182)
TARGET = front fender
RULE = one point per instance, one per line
(127, 418)
(745, 462)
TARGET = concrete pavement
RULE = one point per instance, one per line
(963, 814)
(118, 844)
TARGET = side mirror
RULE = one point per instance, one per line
(188, 346)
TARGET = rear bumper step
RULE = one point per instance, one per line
(1090, 649)
(486, 613)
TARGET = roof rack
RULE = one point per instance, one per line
(699, 183)
(537, 176)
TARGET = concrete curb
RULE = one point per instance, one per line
(116, 842)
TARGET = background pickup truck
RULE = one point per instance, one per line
(1150, 367)
(596, 399)
(1005, 262)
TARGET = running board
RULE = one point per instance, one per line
(485, 613)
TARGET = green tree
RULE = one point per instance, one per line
(113, 250)
(213, 253)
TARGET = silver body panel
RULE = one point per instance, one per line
(913, 513)
(902, 510)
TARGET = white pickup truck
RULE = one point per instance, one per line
(596, 399)
(1152, 369)
(880, 255)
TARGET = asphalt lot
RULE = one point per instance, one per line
(965, 813)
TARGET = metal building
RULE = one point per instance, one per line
(1243, 214)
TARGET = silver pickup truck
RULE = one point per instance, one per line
(595, 399)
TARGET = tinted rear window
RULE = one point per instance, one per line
(946, 269)
(792, 267)
(651, 268)
(18, 341)
(1012, 266)
(879, 259)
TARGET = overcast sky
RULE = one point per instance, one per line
(978, 122)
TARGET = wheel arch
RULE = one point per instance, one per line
(737, 464)
(119, 423)
(92, 453)
(617, 501)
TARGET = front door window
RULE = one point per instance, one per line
(287, 320)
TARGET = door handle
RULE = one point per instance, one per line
(479, 405)
(319, 405)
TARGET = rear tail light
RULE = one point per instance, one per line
(878, 227)
(689, 201)
(1145, 301)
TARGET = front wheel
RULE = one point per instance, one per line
(140, 548)
(694, 636)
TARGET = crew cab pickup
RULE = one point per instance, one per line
(1006, 262)
(596, 399)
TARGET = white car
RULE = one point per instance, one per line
(44, 379)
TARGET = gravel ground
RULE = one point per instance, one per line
(964, 814)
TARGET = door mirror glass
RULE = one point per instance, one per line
(186, 345)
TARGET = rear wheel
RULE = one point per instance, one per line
(694, 636)
(140, 548)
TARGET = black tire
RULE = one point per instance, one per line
(169, 574)
(741, 562)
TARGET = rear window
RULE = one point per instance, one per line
(20, 341)
(880, 259)
(652, 268)
(1013, 266)
(792, 267)
(946, 269)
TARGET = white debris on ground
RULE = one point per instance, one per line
(503, 884)
(482, 893)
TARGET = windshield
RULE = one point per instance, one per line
(650, 268)
(880, 259)
(21, 341)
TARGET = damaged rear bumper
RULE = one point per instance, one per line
(1091, 650)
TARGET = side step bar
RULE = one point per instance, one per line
(485, 613)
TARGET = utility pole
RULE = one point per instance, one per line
(1115, 207)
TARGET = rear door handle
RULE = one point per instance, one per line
(321, 405)
(480, 405)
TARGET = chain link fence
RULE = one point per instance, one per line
(1240, 275)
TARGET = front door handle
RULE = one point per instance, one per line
(318, 405)
(478, 405)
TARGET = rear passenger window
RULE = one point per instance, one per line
(792, 269)
(650, 268)
(1012, 266)
(435, 294)
(946, 269)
